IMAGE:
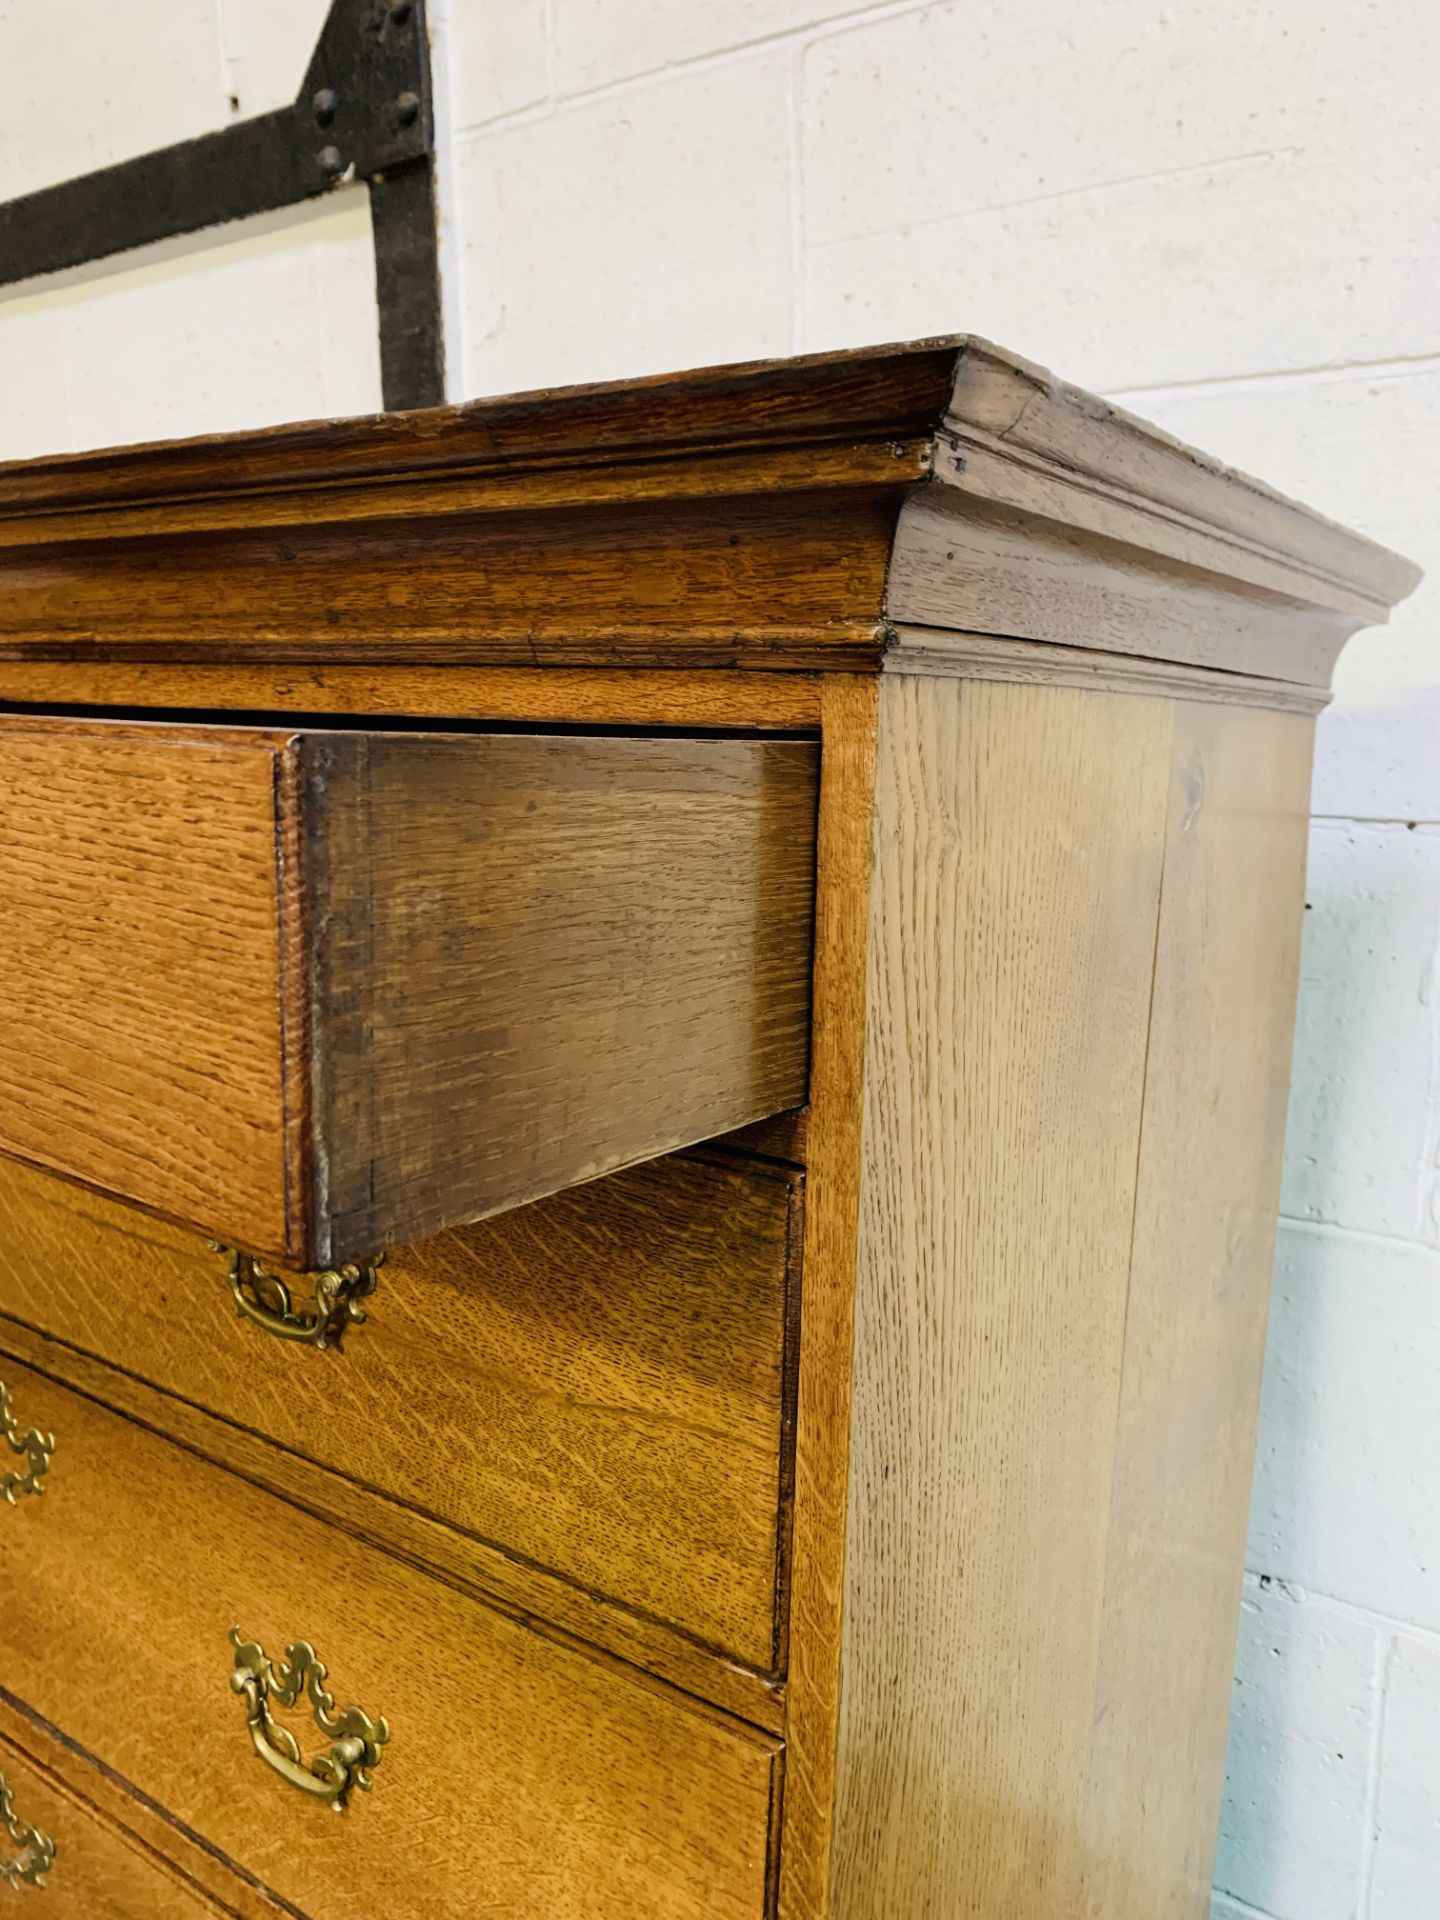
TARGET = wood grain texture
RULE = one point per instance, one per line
(462, 1561)
(320, 993)
(964, 564)
(538, 958)
(759, 580)
(595, 1384)
(625, 697)
(738, 516)
(822, 1438)
(138, 1824)
(515, 1766)
(100, 1873)
(1019, 835)
(140, 975)
(987, 656)
(1216, 1080)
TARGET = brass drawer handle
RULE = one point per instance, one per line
(264, 1297)
(37, 1850)
(36, 1447)
(356, 1738)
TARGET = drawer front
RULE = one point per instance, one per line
(597, 1383)
(321, 993)
(520, 1777)
(97, 1872)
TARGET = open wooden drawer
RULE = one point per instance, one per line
(318, 992)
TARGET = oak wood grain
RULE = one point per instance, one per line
(538, 958)
(134, 1822)
(516, 1765)
(834, 1149)
(100, 1873)
(965, 564)
(463, 1561)
(738, 517)
(319, 993)
(624, 697)
(594, 1384)
(1216, 1080)
(140, 973)
(1019, 835)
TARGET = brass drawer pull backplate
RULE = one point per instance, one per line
(37, 1850)
(265, 1297)
(355, 1738)
(36, 1448)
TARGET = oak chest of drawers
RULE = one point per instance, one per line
(644, 1058)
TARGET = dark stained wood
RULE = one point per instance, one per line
(322, 993)
(540, 958)
(881, 394)
(594, 1384)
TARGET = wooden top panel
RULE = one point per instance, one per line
(877, 393)
(793, 514)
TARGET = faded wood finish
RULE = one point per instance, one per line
(1217, 1075)
(1019, 835)
(536, 959)
(597, 1384)
(619, 1540)
(319, 993)
(517, 1764)
(100, 1873)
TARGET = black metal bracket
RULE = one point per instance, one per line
(364, 111)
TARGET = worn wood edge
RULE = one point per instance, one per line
(1023, 428)
(535, 1596)
(599, 696)
(1019, 437)
(571, 488)
(844, 645)
(880, 393)
(850, 713)
(963, 563)
(989, 656)
(105, 1797)
(297, 1037)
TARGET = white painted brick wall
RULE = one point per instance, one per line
(1227, 211)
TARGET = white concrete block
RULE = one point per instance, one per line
(1243, 266)
(977, 105)
(496, 56)
(649, 230)
(1350, 1424)
(1366, 1031)
(34, 399)
(1133, 197)
(1363, 446)
(213, 333)
(82, 85)
(1300, 1734)
(597, 42)
(267, 46)
(1406, 1882)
